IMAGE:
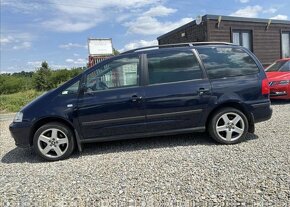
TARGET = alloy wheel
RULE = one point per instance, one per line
(53, 143)
(230, 126)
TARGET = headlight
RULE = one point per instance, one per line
(18, 117)
(284, 82)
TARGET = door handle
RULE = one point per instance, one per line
(136, 98)
(202, 91)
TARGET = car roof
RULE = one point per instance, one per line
(283, 59)
(179, 45)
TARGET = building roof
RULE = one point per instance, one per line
(225, 18)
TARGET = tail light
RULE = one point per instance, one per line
(265, 87)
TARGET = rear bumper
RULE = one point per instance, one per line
(262, 111)
(21, 133)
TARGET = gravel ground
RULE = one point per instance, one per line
(187, 170)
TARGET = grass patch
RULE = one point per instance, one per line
(15, 101)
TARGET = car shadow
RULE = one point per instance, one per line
(147, 143)
(21, 155)
(279, 102)
(18, 155)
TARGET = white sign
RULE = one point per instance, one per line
(100, 47)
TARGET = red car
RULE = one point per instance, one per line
(279, 79)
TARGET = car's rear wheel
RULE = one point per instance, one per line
(54, 141)
(228, 126)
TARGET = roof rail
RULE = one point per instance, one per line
(189, 44)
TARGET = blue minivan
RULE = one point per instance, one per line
(160, 90)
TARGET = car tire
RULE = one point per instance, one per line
(228, 126)
(54, 141)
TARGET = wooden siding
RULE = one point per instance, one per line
(266, 44)
(194, 33)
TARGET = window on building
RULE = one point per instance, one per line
(118, 73)
(242, 38)
(227, 62)
(285, 44)
(173, 66)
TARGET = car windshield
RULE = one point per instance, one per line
(279, 66)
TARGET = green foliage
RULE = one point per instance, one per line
(76, 71)
(42, 79)
(14, 102)
(58, 77)
(116, 52)
(12, 84)
(44, 65)
(17, 89)
(22, 74)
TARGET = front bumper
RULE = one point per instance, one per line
(280, 92)
(20, 131)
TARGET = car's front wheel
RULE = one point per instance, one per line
(228, 126)
(53, 141)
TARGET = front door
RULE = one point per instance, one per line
(112, 103)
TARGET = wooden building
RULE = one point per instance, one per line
(268, 39)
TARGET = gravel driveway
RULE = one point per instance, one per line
(187, 170)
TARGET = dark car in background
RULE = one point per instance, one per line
(160, 90)
(279, 79)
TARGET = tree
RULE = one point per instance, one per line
(41, 78)
(59, 76)
(115, 52)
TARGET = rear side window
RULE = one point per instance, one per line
(285, 67)
(173, 66)
(227, 62)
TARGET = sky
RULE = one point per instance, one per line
(57, 31)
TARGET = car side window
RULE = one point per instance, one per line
(119, 73)
(173, 66)
(285, 67)
(72, 89)
(223, 62)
